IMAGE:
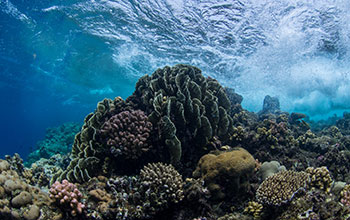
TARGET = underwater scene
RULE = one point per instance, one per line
(174, 109)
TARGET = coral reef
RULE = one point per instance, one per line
(320, 178)
(164, 153)
(186, 108)
(162, 185)
(20, 200)
(227, 172)
(127, 133)
(255, 209)
(68, 196)
(57, 140)
(281, 187)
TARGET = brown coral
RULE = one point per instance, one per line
(226, 170)
(281, 187)
(162, 185)
(320, 178)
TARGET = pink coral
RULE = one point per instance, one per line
(345, 196)
(127, 133)
(67, 195)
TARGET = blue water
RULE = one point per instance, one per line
(59, 58)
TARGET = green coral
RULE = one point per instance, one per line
(188, 108)
(89, 152)
(233, 167)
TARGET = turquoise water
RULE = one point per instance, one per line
(58, 58)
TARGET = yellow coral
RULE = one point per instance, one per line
(233, 166)
(281, 187)
(255, 209)
(320, 178)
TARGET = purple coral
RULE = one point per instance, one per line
(345, 196)
(127, 133)
(68, 195)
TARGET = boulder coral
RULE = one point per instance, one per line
(20, 200)
(225, 173)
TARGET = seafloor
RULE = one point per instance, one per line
(182, 147)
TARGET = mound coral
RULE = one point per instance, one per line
(20, 200)
(68, 196)
(127, 133)
(281, 187)
(226, 172)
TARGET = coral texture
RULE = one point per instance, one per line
(20, 200)
(162, 185)
(227, 170)
(281, 187)
(345, 196)
(255, 209)
(127, 133)
(68, 196)
(188, 109)
(320, 177)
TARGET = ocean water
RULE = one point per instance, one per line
(59, 58)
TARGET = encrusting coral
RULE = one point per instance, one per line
(68, 196)
(227, 170)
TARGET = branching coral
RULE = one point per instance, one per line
(162, 185)
(68, 196)
(127, 133)
(320, 178)
(281, 187)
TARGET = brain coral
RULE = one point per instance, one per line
(188, 109)
(226, 172)
(127, 133)
(281, 187)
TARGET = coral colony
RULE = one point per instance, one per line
(182, 147)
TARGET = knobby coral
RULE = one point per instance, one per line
(68, 196)
(162, 185)
(127, 133)
(281, 187)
